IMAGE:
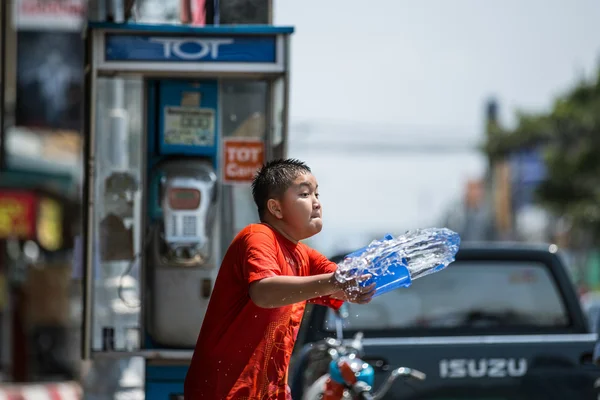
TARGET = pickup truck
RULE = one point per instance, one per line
(503, 322)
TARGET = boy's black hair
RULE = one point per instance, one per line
(273, 179)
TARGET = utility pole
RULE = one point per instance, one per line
(499, 177)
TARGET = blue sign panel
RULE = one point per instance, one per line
(232, 49)
(527, 171)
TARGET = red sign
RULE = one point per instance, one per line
(17, 214)
(62, 15)
(241, 159)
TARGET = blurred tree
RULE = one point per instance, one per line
(569, 135)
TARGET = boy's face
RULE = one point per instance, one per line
(300, 208)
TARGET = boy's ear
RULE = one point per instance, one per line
(274, 207)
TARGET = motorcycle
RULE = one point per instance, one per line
(342, 374)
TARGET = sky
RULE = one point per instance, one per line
(418, 71)
(434, 62)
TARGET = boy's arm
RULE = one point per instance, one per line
(320, 264)
(268, 288)
(279, 291)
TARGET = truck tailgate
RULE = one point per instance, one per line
(489, 367)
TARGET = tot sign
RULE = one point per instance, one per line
(242, 158)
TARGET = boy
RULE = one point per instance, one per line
(265, 279)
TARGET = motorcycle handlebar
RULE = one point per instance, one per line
(410, 372)
(401, 372)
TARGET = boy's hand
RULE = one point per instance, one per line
(352, 292)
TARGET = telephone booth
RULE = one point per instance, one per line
(179, 118)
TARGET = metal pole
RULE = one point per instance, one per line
(3, 22)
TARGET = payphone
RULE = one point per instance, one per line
(179, 120)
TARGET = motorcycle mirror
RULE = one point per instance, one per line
(357, 342)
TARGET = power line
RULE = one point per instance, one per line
(376, 138)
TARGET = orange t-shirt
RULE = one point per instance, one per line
(243, 351)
